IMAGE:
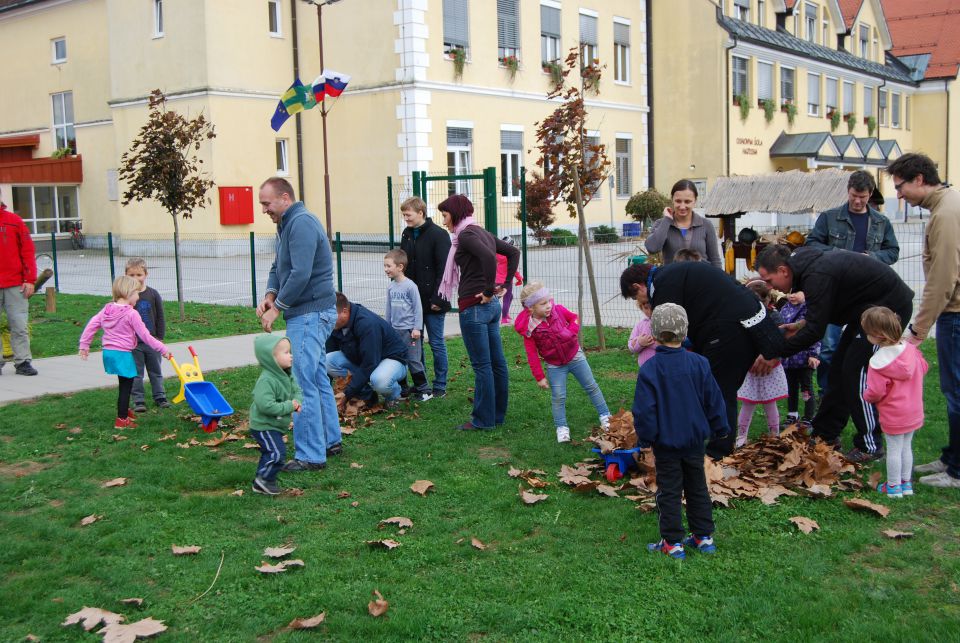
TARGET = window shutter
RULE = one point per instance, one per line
(549, 21)
(621, 34)
(883, 98)
(510, 140)
(868, 101)
(847, 97)
(764, 81)
(455, 26)
(508, 24)
(459, 136)
(831, 92)
(588, 30)
(813, 88)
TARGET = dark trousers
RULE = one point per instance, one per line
(731, 351)
(123, 396)
(147, 358)
(948, 356)
(800, 380)
(273, 452)
(681, 474)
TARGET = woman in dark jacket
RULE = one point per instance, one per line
(427, 246)
(471, 269)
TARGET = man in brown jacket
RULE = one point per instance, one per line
(916, 179)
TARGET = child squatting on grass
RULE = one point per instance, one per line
(122, 327)
(150, 308)
(895, 384)
(677, 406)
(275, 400)
(550, 331)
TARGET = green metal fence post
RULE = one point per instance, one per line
(53, 250)
(416, 183)
(523, 221)
(423, 185)
(490, 200)
(113, 271)
(253, 268)
(390, 209)
(339, 249)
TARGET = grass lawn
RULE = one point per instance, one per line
(57, 333)
(573, 567)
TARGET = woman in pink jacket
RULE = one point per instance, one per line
(895, 385)
(121, 325)
(550, 331)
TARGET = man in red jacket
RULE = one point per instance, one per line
(18, 272)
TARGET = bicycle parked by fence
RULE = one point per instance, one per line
(77, 239)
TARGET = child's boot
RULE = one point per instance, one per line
(131, 415)
(673, 550)
(563, 434)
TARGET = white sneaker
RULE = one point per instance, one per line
(605, 422)
(943, 480)
(563, 434)
(937, 466)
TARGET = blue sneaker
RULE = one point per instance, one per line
(907, 487)
(703, 544)
(892, 490)
(674, 550)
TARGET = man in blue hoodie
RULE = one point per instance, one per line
(301, 286)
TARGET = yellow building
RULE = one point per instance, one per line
(744, 87)
(84, 68)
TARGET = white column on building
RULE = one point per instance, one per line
(415, 125)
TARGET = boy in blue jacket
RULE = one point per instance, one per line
(677, 406)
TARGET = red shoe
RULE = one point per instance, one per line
(131, 415)
(124, 423)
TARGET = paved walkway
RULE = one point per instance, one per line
(69, 373)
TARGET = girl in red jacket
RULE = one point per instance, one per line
(550, 331)
(895, 385)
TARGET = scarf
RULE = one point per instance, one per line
(451, 272)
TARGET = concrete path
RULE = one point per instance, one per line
(68, 374)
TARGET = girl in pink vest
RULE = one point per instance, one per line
(550, 331)
(895, 385)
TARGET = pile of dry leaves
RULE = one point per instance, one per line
(356, 413)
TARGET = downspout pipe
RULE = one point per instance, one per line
(651, 167)
(726, 95)
(296, 74)
(946, 161)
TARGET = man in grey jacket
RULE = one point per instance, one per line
(301, 286)
(857, 227)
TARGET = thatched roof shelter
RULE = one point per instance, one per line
(793, 192)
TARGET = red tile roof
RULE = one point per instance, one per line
(849, 9)
(928, 27)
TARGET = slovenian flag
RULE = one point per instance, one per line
(296, 99)
(334, 82)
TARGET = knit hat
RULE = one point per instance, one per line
(669, 318)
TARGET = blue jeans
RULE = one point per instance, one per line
(480, 328)
(273, 452)
(580, 369)
(383, 379)
(948, 355)
(317, 426)
(147, 359)
(828, 346)
(438, 346)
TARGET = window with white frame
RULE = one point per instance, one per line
(810, 22)
(624, 169)
(621, 50)
(589, 54)
(906, 112)
(273, 17)
(283, 165)
(848, 106)
(741, 10)
(58, 47)
(591, 143)
(456, 26)
(761, 13)
(511, 159)
(813, 94)
(47, 208)
(882, 106)
(894, 109)
(459, 162)
(831, 102)
(508, 29)
(825, 38)
(867, 101)
(764, 81)
(549, 34)
(740, 77)
(876, 46)
(157, 18)
(864, 41)
(64, 136)
(787, 85)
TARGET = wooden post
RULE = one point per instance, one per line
(51, 299)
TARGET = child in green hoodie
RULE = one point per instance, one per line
(274, 402)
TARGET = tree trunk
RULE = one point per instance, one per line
(601, 341)
(176, 263)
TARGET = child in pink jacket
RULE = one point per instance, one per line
(505, 318)
(641, 341)
(895, 385)
(122, 325)
(550, 331)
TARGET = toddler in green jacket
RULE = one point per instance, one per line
(274, 403)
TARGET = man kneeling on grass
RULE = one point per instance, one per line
(677, 406)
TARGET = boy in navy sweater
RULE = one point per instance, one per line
(677, 406)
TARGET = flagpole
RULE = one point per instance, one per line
(323, 116)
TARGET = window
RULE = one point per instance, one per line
(867, 101)
(882, 106)
(273, 17)
(740, 79)
(624, 168)
(864, 41)
(46, 208)
(741, 10)
(813, 94)
(894, 109)
(283, 167)
(906, 112)
(511, 158)
(825, 40)
(761, 13)
(787, 84)
(848, 106)
(831, 95)
(588, 39)
(591, 143)
(508, 28)
(59, 49)
(157, 18)
(876, 46)
(810, 22)
(459, 143)
(456, 28)
(621, 51)
(764, 81)
(63, 134)
(549, 34)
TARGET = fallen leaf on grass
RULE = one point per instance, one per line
(142, 629)
(279, 552)
(874, 479)
(354, 504)
(804, 524)
(378, 606)
(31, 638)
(279, 568)
(343, 494)
(294, 491)
(477, 544)
(386, 544)
(89, 520)
(75, 430)
(295, 562)
(531, 498)
(859, 504)
(400, 521)
(238, 492)
(146, 447)
(251, 445)
(184, 550)
(168, 436)
(138, 602)
(307, 623)
(355, 465)
(183, 445)
(897, 535)
(117, 437)
(421, 487)
(116, 482)
(90, 617)
(607, 490)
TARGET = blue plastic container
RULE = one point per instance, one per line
(207, 402)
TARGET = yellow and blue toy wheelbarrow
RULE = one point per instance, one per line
(203, 397)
